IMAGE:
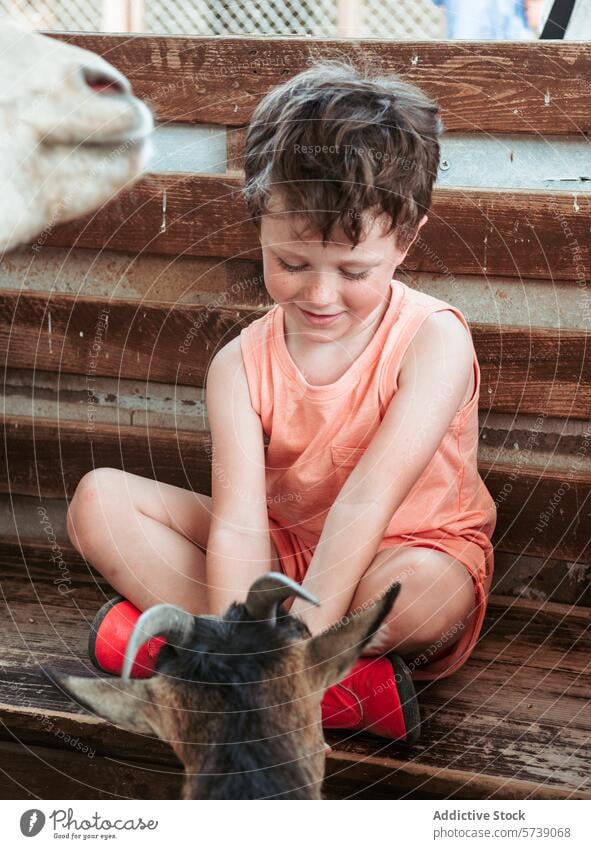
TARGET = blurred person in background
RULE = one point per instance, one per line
(492, 19)
(536, 12)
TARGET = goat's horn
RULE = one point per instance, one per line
(267, 593)
(162, 620)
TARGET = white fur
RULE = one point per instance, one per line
(64, 149)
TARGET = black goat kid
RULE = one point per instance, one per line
(237, 697)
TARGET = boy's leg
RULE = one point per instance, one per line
(437, 599)
(147, 538)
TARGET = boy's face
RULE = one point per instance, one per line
(352, 284)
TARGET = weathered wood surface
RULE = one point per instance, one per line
(540, 512)
(481, 231)
(469, 231)
(35, 556)
(480, 86)
(147, 277)
(524, 369)
(512, 723)
(40, 772)
(45, 457)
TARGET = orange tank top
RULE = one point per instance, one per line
(316, 434)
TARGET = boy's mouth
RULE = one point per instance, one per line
(320, 318)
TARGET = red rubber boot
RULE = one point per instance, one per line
(378, 696)
(109, 635)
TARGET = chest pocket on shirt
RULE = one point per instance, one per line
(344, 460)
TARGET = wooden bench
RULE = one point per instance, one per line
(107, 329)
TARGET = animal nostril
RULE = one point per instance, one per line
(102, 83)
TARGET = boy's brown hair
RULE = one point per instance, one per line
(335, 141)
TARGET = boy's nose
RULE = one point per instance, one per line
(320, 291)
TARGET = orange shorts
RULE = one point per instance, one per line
(295, 557)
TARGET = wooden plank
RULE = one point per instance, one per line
(480, 86)
(58, 728)
(38, 772)
(159, 342)
(510, 724)
(542, 578)
(145, 277)
(45, 456)
(563, 581)
(541, 513)
(517, 233)
(235, 142)
(380, 775)
(212, 282)
(39, 558)
(524, 369)
(539, 370)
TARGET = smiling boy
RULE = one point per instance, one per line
(367, 392)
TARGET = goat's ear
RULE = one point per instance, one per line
(126, 703)
(331, 654)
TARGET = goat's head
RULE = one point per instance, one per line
(71, 133)
(237, 697)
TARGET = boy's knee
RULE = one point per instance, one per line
(424, 573)
(89, 502)
(436, 599)
(438, 595)
(94, 482)
(415, 570)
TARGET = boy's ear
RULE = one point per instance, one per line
(423, 221)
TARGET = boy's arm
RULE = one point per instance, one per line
(432, 383)
(239, 546)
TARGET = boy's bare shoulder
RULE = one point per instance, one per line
(445, 324)
(228, 360)
(226, 375)
(230, 348)
(441, 341)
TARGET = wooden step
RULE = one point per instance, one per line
(480, 87)
(512, 723)
(476, 230)
(49, 458)
(162, 343)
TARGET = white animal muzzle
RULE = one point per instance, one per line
(72, 134)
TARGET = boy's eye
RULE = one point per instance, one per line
(293, 269)
(361, 275)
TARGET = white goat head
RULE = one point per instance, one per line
(237, 697)
(71, 133)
